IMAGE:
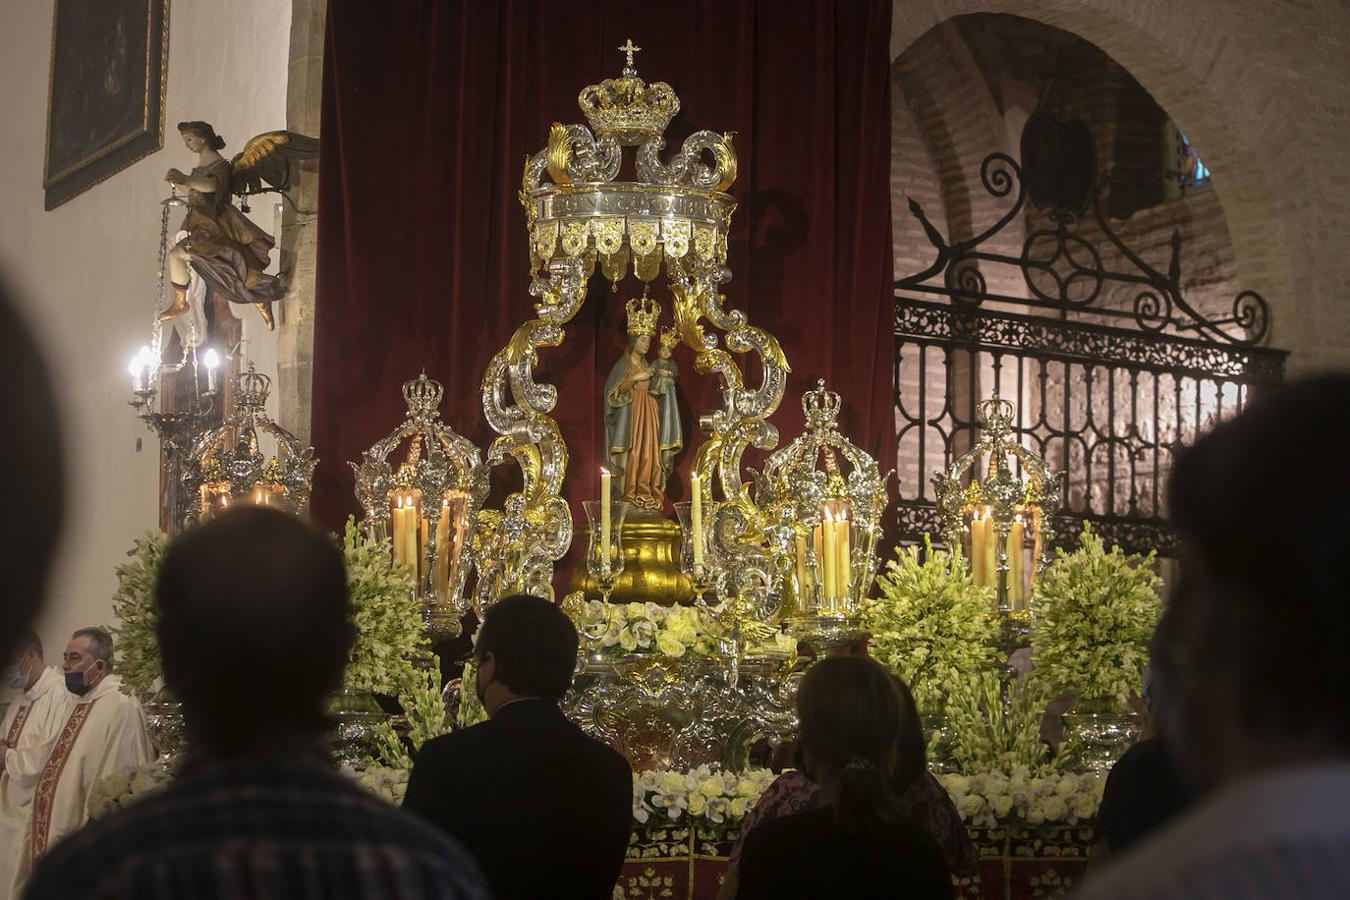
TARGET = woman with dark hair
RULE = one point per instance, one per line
(858, 742)
(921, 799)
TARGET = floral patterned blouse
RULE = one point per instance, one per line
(925, 803)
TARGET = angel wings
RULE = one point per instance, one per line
(270, 162)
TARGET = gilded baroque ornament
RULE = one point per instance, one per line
(426, 504)
(673, 220)
(227, 466)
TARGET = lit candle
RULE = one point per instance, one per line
(990, 557)
(830, 540)
(696, 520)
(1016, 585)
(137, 374)
(212, 360)
(844, 554)
(443, 549)
(604, 515)
(405, 531)
(803, 573)
(977, 532)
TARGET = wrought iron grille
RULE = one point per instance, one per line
(1111, 369)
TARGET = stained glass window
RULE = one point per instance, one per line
(1191, 171)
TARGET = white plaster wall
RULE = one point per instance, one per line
(85, 272)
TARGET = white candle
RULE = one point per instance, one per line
(844, 554)
(604, 515)
(1016, 576)
(829, 539)
(696, 519)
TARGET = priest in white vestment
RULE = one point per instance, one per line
(105, 732)
(30, 726)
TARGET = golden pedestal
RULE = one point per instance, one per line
(651, 563)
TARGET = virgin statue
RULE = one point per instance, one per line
(222, 246)
(633, 415)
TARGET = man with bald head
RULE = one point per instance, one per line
(104, 733)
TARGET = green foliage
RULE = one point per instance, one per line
(470, 711)
(386, 614)
(134, 637)
(1095, 612)
(932, 625)
(993, 729)
(424, 708)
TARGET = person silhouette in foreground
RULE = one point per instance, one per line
(545, 809)
(254, 636)
(34, 482)
(1252, 656)
(859, 842)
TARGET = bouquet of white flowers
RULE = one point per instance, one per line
(121, 789)
(137, 644)
(704, 796)
(424, 708)
(990, 798)
(1095, 612)
(994, 729)
(387, 617)
(932, 625)
(624, 628)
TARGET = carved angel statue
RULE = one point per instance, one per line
(226, 250)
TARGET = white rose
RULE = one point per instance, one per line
(717, 809)
(738, 807)
(1001, 805)
(644, 632)
(671, 783)
(1068, 786)
(635, 610)
(1084, 806)
(698, 804)
(669, 644)
(627, 641)
(611, 635)
(970, 806)
(956, 784)
(1055, 809)
(1035, 815)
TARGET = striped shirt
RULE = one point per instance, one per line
(1283, 834)
(258, 828)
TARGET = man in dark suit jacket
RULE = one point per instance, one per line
(545, 809)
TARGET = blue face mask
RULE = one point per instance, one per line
(16, 679)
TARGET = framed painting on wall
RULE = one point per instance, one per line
(105, 96)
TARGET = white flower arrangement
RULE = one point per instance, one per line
(386, 614)
(424, 708)
(120, 789)
(674, 631)
(989, 799)
(704, 796)
(932, 625)
(138, 661)
(470, 710)
(994, 730)
(1094, 614)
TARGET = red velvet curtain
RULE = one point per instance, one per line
(430, 109)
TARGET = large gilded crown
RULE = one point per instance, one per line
(628, 108)
(642, 315)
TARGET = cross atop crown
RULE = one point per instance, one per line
(628, 49)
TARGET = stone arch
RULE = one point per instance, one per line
(1199, 72)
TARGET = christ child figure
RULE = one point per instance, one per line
(662, 386)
